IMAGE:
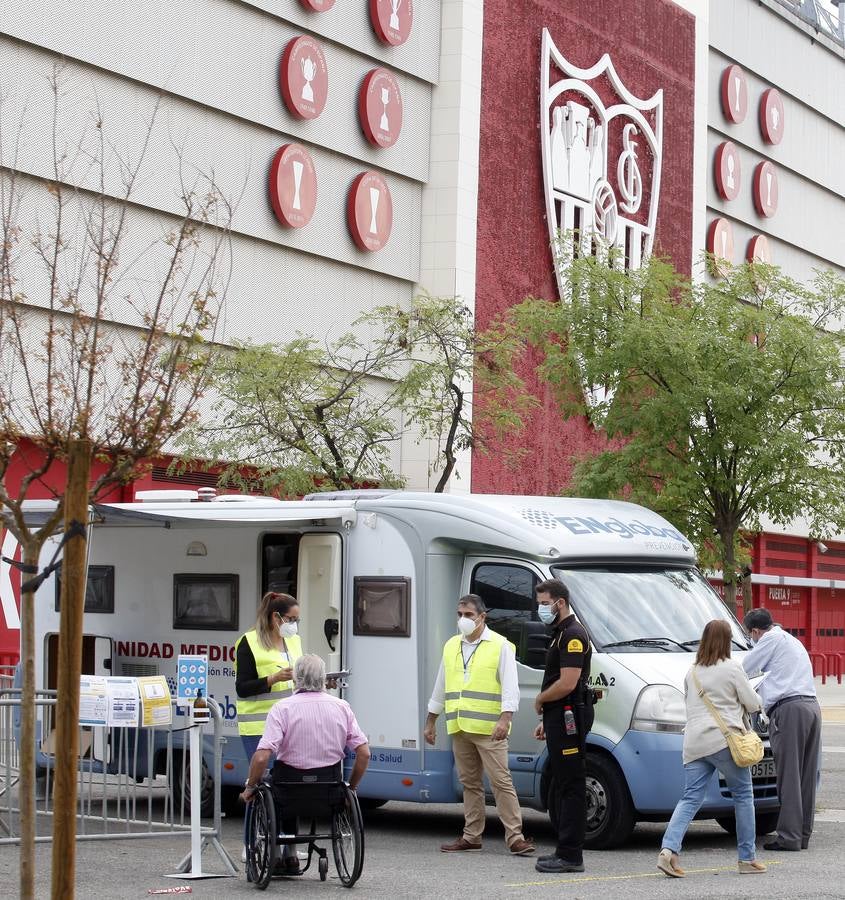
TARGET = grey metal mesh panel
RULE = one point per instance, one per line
(349, 23)
(238, 152)
(226, 56)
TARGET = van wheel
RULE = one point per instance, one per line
(206, 788)
(764, 822)
(610, 812)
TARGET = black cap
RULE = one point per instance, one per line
(758, 618)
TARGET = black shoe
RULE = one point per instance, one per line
(547, 857)
(556, 864)
(287, 865)
(777, 845)
(805, 843)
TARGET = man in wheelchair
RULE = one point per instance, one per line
(308, 735)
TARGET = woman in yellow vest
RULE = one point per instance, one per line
(264, 659)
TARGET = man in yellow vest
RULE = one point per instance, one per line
(477, 685)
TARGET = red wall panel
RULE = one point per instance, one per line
(652, 45)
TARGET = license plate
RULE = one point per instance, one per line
(764, 769)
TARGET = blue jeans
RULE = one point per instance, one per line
(698, 774)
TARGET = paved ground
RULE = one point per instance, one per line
(402, 859)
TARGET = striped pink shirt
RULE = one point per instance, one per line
(311, 729)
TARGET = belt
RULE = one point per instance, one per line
(783, 700)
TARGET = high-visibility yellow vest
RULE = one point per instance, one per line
(252, 711)
(473, 699)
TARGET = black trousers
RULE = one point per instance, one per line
(567, 770)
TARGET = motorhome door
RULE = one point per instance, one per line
(318, 590)
(96, 660)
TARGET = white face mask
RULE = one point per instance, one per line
(466, 626)
(288, 629)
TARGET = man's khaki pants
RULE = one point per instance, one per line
(475, 755)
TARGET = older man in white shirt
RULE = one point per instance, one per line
(477, 685)
(789, 697)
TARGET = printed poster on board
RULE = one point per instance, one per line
(155, 701)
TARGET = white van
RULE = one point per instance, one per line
(377, 575)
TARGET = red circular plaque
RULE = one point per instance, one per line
(720, 243)
(759, 250)
(771, 116)
(317, 5)
(766, 189)
(392, 20)
(727, 170)
(380, 108)
(293, 186)
(734, 94)
(304, 78)
(369, 211)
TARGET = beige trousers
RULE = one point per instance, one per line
(475, 756)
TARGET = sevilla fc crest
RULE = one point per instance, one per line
(602, 151)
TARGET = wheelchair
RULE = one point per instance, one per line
(317, 796)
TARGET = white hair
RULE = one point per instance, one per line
(309, 673)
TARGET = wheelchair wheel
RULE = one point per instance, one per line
(261, 838)
(348, 840)
(323, 867)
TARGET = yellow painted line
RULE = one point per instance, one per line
(581, 879)
(833, 714)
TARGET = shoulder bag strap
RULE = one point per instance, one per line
(709, 704)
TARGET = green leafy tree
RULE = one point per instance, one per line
(301, 416)
(720, 402)
(436, 391)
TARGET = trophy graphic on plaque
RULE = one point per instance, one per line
(394, 14)
(769, 177)
(384, 124)
(309, 70)
(375, 194)
(297, 182)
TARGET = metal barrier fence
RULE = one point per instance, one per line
(133, 782)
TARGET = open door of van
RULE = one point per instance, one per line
(318, 590)
(96, 660)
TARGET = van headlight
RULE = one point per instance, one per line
(660, 707)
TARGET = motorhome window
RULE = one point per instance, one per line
(99, 589)
(508, 592)
(645, 610)
(381, 606)
(205, 602)
(279, 556)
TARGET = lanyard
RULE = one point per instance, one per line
(466, 661)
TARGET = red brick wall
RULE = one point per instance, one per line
(652, 45)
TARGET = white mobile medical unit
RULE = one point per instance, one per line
(377, 575)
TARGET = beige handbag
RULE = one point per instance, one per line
(745, 746)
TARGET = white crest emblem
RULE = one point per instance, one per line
(601, 161)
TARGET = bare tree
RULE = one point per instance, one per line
(106, 327)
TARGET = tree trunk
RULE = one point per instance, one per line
(729, 572)
(69, 667)
(747, 595)
(29, 556)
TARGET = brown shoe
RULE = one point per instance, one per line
(750, 867)
(522, 847)
(461, 845)
(668, 863)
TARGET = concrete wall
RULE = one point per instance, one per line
(776, 49)
(212, 68)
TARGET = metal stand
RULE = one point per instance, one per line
(198, 842)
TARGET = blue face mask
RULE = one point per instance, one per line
(547, 614)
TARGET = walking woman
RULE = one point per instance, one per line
(264, 658)
(706, 750)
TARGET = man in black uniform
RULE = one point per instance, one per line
(565, 691)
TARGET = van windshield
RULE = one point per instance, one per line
(645, 610)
